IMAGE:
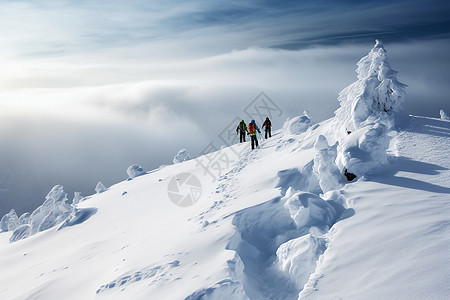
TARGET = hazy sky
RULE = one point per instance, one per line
(88, 88)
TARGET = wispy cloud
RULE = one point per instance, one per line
(36, 28)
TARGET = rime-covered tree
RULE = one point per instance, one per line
(376, 95)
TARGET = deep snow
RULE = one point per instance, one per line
(281, 222)
(254, 234)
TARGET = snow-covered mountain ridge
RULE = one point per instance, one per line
(282, 222)
(255, 234)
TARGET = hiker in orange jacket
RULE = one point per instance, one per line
(252, 128)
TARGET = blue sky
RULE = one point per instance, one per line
(90, 87)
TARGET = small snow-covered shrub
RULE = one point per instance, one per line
(100, 187)
(182, 155)
(76, 198)
(134, 171)
(10, 221)
(444, 116)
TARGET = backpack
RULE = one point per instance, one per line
(251, 128)
(242, 126)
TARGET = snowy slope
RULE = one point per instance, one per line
(390, 242)
(288, 220)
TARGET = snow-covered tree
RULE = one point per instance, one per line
(443, 115)
(52, 212)
(182, 155)
(134, 171)
(376, 95)
(9, 222)
(100, 187)
(76, 198)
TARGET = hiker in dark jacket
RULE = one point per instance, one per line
(241, 129)
(268, 126)
(252, 128)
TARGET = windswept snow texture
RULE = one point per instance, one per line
(156, 274)
(182, 155)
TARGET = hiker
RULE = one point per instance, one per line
(252, 128)
(241, 129)
(268, 126)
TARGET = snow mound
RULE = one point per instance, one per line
(298, 257)
(78, 216)
(303, 179)
(325, 168)
(100, 187)
(134, 171)
(376, 95)
(297, 125)
(364, 151)
(21, 232)
(309, 210)
(181, 156)
(444, 116)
